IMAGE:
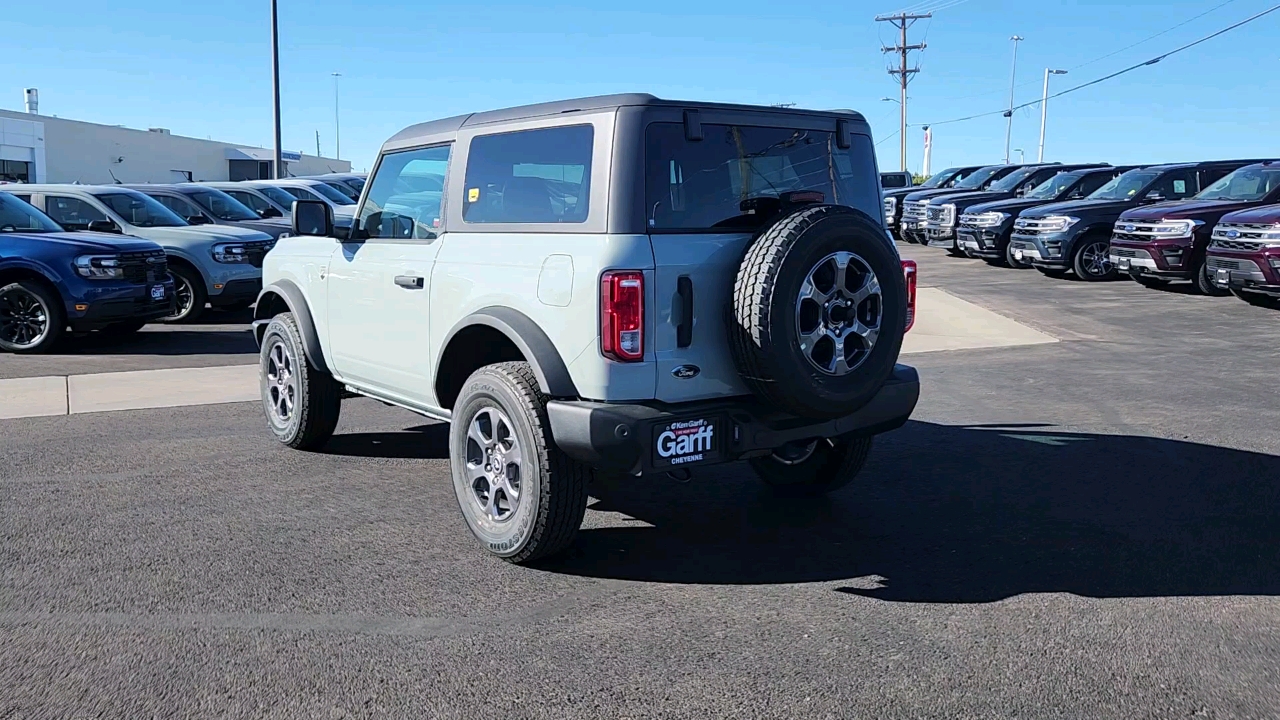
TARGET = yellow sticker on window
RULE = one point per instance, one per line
(473, 195)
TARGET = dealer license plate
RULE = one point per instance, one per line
(157, 292)
(1122, 263)
(687, 442)
(1017, 253)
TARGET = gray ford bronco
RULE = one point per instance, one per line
(621, 285)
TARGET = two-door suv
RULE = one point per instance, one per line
(1076, 236)
(1168, 241)
(52, 280)
(985, 229)
(616, 284)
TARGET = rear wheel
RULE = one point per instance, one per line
(189, 295)
(813, 467)
(32, 317)
(1092, 260)
(1205, 285)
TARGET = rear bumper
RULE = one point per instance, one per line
(634, 438)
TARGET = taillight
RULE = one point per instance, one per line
(909, 270)
(622, 315)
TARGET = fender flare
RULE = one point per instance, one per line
(552, 373)
(292, 296)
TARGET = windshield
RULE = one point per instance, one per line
(355, 183)
(1053, 187)
(975, 181)
(1125, 186)
(222, 205)
(737, 176)
(342, 188)
(941, 178)
(330, 194)
(1246, 184)
(276, 195)
(140, 210)
(18, 216)
(1013, 179)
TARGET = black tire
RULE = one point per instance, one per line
(1204, 285)
(1091, 260)
(550, 496)
(190, 293)
(768, 312)
(32, 317)
(1257, 299)
(802, 470)
(312, 398)
(120, 329)
(1152, 283)
(1052, 272)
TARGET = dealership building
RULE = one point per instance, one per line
(41, 149)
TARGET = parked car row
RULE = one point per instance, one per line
(1215, 224)
(112, 258)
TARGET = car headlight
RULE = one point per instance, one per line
(1175, 228)
(986, 219)
(99, 267)
(230, 253)
(949, 213)
(1057, 223)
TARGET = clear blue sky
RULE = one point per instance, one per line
(203, 68)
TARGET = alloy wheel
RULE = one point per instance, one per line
(282, 383)
(184, 296)
(24, 319)
(838, 313)
(1096, 259)
(494, 464)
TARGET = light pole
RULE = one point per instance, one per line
(1021, 157)
(1044, 105)
(278, 165)
(337, 135)
(1008, 132)
(902, 131)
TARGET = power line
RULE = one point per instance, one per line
(1143, 41)
(1118, 73)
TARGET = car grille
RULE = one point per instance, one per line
(147, 266)
(1034, 226)
(1129, 253)
(1218, 263)
(1249, 237)
(1242, 245)
(258, 250)
(913, 211)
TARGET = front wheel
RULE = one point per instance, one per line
(1093, 260)
(520, 495)
(189, 293)
(813, 467)
(32, 317)
(302, 403)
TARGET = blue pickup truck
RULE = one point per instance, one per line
(53, 281)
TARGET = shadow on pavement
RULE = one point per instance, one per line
(424, 442)
(965, 514)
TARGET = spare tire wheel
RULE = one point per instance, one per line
(819, 311)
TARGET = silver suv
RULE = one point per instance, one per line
(216, 265)
(620, 284)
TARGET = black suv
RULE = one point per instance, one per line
(938, 181)
(1076, 236)
(984, 229)
(917, 205)
(940, 223)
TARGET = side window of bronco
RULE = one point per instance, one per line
(529, 176)
(405, 195)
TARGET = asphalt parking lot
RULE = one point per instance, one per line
(1081, 528)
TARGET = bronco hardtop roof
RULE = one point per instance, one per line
(432, 130)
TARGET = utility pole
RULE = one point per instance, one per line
(1008, 131)
(317, 143)
(902, 21)
(278, 166)
(337, 134)
(1044, 107)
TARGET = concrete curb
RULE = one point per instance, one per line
(135, 390)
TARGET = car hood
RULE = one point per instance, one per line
(903, 192)
(273, 227)
(1079, 207)
(1013, 206)
(963, 200)
(88, 241)
(346, 211)
(1260, 215)
(1184, 209)
(204, 233)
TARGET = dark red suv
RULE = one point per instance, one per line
(1244, 255)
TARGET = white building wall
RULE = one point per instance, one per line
(74, 151)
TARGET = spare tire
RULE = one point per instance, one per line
(819, 311)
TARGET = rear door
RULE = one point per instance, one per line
(705, 200)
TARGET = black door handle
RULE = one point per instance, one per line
(413, 282)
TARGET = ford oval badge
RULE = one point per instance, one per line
(1233, 234)
(685, 372)
(1129, 228)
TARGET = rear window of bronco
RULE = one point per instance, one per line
(706, 184)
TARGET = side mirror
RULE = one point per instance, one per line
(312, 217)
(103, 226)
(269, 212)
(197, 220)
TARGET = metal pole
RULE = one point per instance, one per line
(337, 134)
(1044, 106)
(902, 105)
(278, 169)
(1008, 132)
